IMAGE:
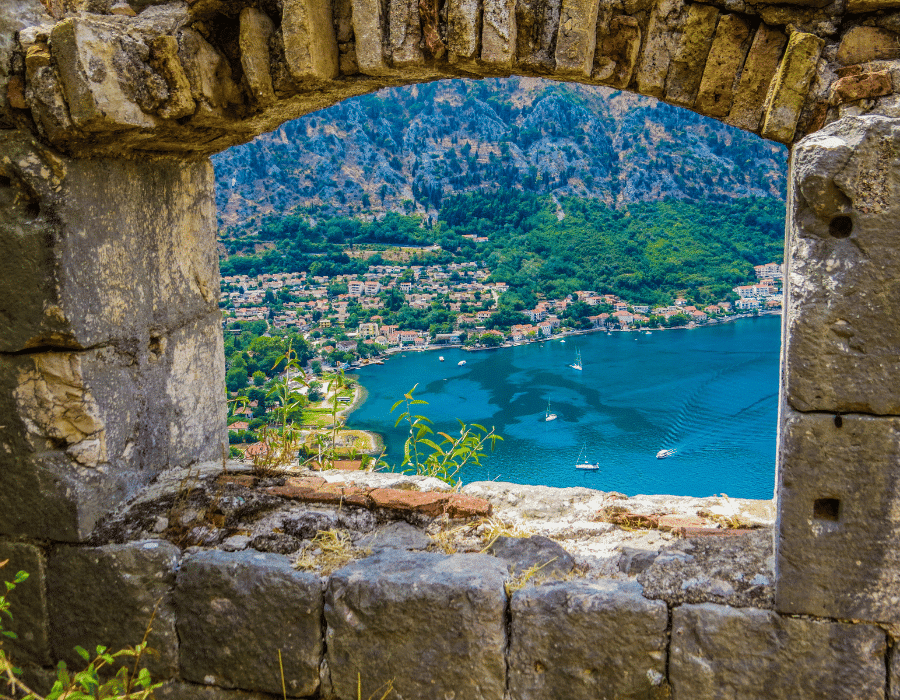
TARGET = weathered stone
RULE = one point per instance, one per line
(255, 31)
(212, 86)
(404, 33)
(577, 38)
(14, 16)
(310, 44)
(435, 625)
(236, 611)
(164, 58)
(101, 251)
(841, 347)
(686, 70)
(498, 33)
(736, 571)
(717, 651)
(524, 553)
(109, 595)
(93, 59)
(85, 430)
(864, 44)
(368, 29)
(593, 639)
(839, 529)
(397, 535)
(635, 561)
(790, 86)
(861, 87)
(618, 49)
(720, 76)
(894, 672)
(856, 6)
(177, 690)
(663, 35)
(760, 67)
(463, 31)
(537, 23)
(28, 604)
(410, 501)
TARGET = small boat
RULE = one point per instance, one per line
(577, 363)
(582, 463)
(549, 416)
(662, 454)
(648, 333)
(441, 358)
(562, 341)
(460, 363)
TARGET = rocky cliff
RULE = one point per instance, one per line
(403, 149)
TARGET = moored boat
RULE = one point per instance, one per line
(662, 454)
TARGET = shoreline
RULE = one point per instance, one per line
(363, 394)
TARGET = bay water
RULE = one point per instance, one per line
(710, 393)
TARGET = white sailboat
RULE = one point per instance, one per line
(577, 363)
(549, 416)
(583, 463)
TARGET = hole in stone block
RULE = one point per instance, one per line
(838, 421)
(841, 226)
(5, 181)
(827, 509)
(33, 209)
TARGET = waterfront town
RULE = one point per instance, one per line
(363, 315)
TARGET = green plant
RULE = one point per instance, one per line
(444, 459)
(88, 684)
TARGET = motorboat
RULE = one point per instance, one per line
(662, 454)
(441, 358)
(461, 363)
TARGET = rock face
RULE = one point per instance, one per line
(434, 625)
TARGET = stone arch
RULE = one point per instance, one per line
(110, 342)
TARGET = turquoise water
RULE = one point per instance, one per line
(710, 393)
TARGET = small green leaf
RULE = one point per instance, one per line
(83, 653)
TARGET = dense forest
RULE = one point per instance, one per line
(542, 245)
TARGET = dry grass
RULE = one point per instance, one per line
(519, 581)
(477, 536)
(327, 552)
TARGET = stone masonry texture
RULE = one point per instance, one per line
(434, 625)
(595, 639)
(722, 652)
(109, 595)
(237, 610)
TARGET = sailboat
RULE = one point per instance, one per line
(582, 462)
(549, 416)
(577, 363)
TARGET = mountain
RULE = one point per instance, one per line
(405, 149)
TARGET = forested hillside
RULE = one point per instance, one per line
(407, 150)
(539, 244)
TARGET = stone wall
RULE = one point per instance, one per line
(672, 618)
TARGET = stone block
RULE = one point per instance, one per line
(841, 336)
(85, 430)
(537, 24)
(310, 43)
(686, 69)
(718, 651)
(28, 604)
(865, 86)
(109, 595)
(105, 76)
(788, 90)
(723, 66)
(857, 6)
(522, 553)
(14, 16)
(434, 625)
(577, 38)
(209, 74)
(660, 44)
(759, 68)
(838, 543)
(498, 33)
(369, 19)
(164, 59)
(593, 639)
(404, 33)
(865, 44)
(617, 52)
(237, 610)
(463, 31)
(177, 690)
(255, 31)
(102, 250)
